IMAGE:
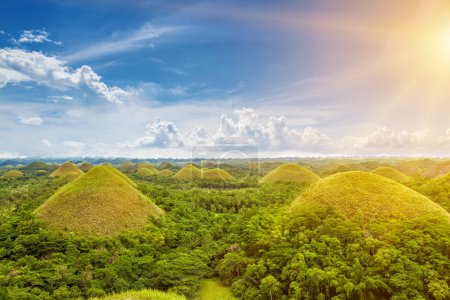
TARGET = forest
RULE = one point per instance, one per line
(244, 233)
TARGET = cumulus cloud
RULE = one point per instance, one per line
(160, 134)
(18, 65)
(37, 121)
(35, 36)
(46, 143)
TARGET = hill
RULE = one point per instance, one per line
(166, 165)
(144, 172)
(143, 295)
(290, 173)
(392, 173)
(86, 167)
(101, 202)
(438, 169)
(67, 169)
(146, 165)
(415, 167)
(188, 172)
(13, 174)
(127, 167)
(166, 173)
(216, 174)
(367, 197)
(438, 190)
(39, 165)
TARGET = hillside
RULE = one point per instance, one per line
(438, 169)
(216, 174)
(438, 190)
(13, 174)
(290, 173)
(144, 172)
(146, 165)
(67, 169)
(101, 202)
(166, 173)
(367, 197)
(86, 167)
(392, 173)
(188, 172)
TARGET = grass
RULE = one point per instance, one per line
(102, 202)
(67, 169)
(143, 295)
(13, 174)
(367, 197)
(86, 167)
(127, 167)
(392, 173)
(213, 289)
(290, 173)
(216, 173)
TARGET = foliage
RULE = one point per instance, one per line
(290, 173)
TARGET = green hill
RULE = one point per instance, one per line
(391, 173)
(415, 167)
(86, 167)
(38, 165)
(188, 172)
(438, 190)
(67, 169)
(166, 165)
(13, 174)
(102, 202)
(127, 167)
(144, 172)
(290, 173)
(146, 165)
(216, 174)
(143, 295)
(166, 173)
(367, 197)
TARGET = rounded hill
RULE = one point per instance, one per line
(188, 172)
(146, 165)
(166, 173)
(392, 173)
(367, 197)
(290, 173)
(216, 174)
(438, 169)
(66, 169)
(144, 172)
(13, 174)
(101, 202)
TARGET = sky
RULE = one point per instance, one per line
(154, 78)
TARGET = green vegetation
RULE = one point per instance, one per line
(352, 235)
(188, 172)
(13, 174)
(215, 174)
(290, 173)
(392, 173)
(368, 197)
(67, 169)
(166, 173)
(213, 289)
(143, 295)
(146, 165)
(99, 202)
(438, 169)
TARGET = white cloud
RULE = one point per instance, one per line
(35, 36)
(46, 143)
(37, 121)
(140, 38)
(20, 66)
(160, 134)
(62, 97)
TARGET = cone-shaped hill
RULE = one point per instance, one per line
(86, 167)
(127, 167)
(190, 171)
(146, 165)
(166, 173)
(290, 173)
(391, 173)
(101, 202)
(144, 172)
(13, 174)
(438, 190)
(67, 169)
(366, 197)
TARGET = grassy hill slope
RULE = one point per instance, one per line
(391, 173)
(66, 169)
(367, 197)
(143, 295)
(290, 173)
(100, 202)
(13, 174)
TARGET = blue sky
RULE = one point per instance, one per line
(154, 78)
